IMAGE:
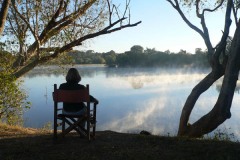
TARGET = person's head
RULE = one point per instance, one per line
(73, 76)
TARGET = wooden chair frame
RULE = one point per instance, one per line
(74, 96)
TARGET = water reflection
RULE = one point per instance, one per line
(131, 99)
(153, 115)
(219, 86)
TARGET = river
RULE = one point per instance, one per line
(131, 99)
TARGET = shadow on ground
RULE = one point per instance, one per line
(110, 145)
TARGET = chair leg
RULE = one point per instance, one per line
(94, 129)
(94, 119)
(88, 122)
(63, 126)
(55, 129)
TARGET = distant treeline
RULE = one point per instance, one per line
(136, 57)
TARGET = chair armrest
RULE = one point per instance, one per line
(94, 102)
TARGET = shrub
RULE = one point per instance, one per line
(12, 97)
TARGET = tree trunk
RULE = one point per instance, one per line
(3, 14)
(221, 110)
(201, 87)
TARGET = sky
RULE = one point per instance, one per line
(162, 28)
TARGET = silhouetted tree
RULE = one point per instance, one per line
(136, 49)
(227, 66)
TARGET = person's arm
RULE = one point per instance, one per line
(92, 99)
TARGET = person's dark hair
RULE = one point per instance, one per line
(73, 76)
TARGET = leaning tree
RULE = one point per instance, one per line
(224, 62)
(35, 31)
(38, 31)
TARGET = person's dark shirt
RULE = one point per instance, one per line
(73, 107)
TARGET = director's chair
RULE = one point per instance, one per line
(74, 121)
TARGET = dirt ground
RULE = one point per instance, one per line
(108, 145)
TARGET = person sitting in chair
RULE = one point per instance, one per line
(73, 78)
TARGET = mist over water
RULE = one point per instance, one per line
(131, 99)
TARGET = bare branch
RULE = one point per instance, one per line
(129, 17)
(34, 33)
(106, 30)
(197, 9)
(110, 11)
(228, 22)
(204, 34)
(55, 27)
(126, 7)
(173, 5)
(13, 29)
(212, 10)
(52, 22)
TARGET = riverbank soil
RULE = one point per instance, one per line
(30, 144)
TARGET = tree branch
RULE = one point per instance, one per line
(212, 10)
(222, 44)
(204, 34)
(53, 28)
(27, 23)
(89, 36)
(49, 49)
(69, 46)
(64, 22)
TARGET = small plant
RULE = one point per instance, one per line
(222, 135)
(46, 127)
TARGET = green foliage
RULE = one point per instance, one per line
(110, 58)
(62, 59)
(12, 97)
(153, 58)
(136, 57)
(137, 49)
(88, 57)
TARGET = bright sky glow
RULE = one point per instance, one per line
(162, 28)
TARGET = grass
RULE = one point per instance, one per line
(27, 144)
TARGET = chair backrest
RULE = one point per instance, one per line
(71, 96)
